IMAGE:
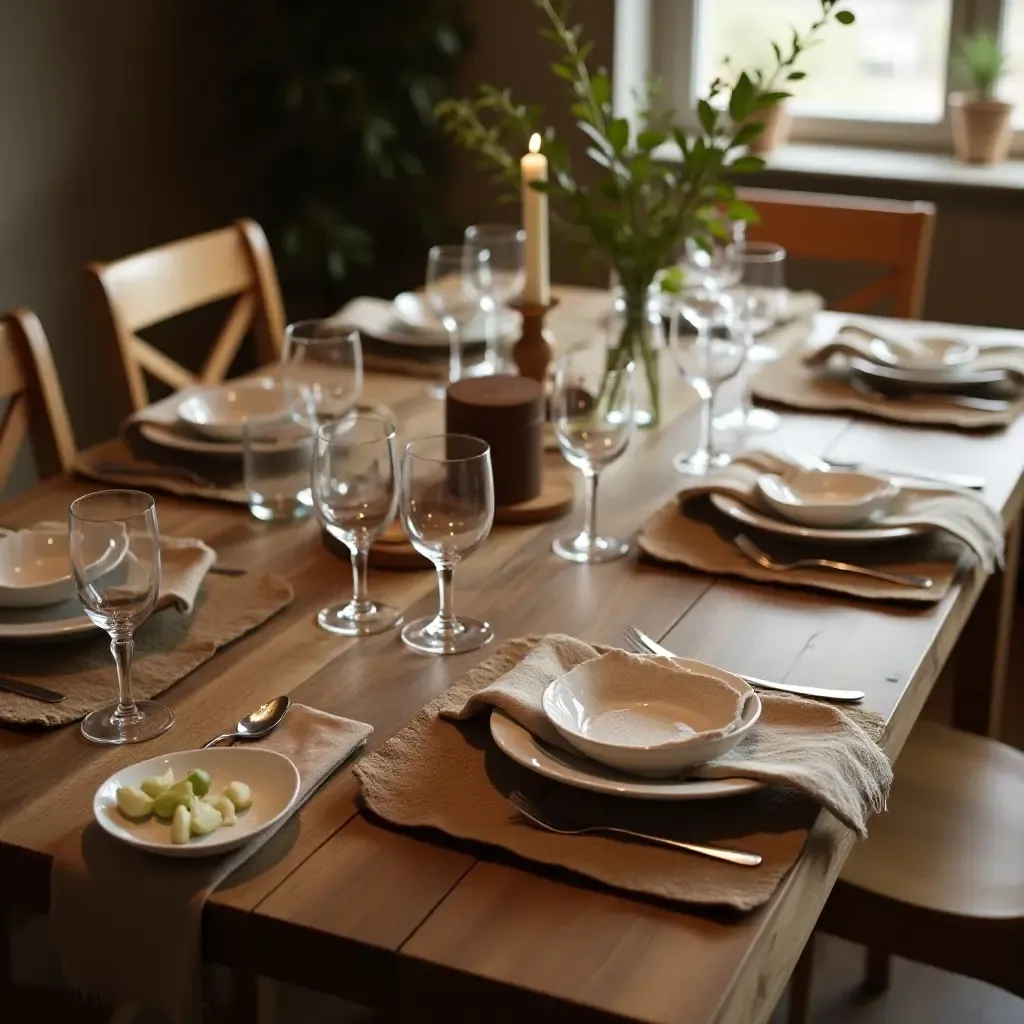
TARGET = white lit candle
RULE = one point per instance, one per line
(534, 167)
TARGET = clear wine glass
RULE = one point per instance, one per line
(458, 280)
(714, 266)
(326, 358)
(447, 510)
(592, 412)
(706, 360)
(118, 599)
(760, 300)
(355, 490)
(505, 243)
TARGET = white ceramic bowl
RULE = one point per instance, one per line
(928, 354)
(272, 778)
(827, 498)
(653, 717)
(35, 566)
(220, 411)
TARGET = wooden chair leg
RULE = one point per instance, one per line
(254, 998)
(877, 971)
(800, 986)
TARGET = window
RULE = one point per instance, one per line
(883, 80)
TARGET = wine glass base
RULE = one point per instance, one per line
(153, 718)
(428, 636)
(346, 620)
(699, 464)
(584, 548)
(754, 421)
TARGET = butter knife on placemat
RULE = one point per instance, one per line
(30, 690)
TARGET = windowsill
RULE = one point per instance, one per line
(895, 165)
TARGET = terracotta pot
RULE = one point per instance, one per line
(777, 122)
(981, 128)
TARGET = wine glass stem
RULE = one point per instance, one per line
(745, 397)
(455, 355)
(360, 597)
(705, 446)
(590, 506)
(491, 354)
(446, 604)
(122, 651)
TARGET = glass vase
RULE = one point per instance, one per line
(636, 335)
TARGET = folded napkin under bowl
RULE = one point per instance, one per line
(653, 717)
(827, 497)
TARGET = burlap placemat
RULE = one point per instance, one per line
(450, 776)
(794, 382)
(169, 645)
(127, 924)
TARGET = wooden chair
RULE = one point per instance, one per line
(153, 286)
(941, 878)
(35, 403)
(894, 236)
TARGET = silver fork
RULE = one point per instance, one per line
(755, 554)
(643, 644)
(530, 811)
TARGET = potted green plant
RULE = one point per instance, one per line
(634, 210)
(981, 123)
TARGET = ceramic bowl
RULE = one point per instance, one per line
(220, 411)
(827, 498)
(35, 566)
(653, 717)
(927, 355)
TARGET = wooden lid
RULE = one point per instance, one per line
(499, 392)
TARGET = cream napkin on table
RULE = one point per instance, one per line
(146, 910)
(444, 771)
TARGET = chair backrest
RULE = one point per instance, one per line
(158, 284)
(35, 403)
(894, 236)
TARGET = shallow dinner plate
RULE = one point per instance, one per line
(272, 778)
(416, 324)
(52, 622)
(520, 745)
(744, 514)
(953, 379)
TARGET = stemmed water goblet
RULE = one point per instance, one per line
(706, 360)
(505, 244)
(592, 412)
(326, 360)
(458, 279)
(120, 526)
(355, 490)
(447, 510)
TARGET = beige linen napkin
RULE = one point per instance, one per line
(186, 631)
(443, 771)
(793, 381)
(127, 924)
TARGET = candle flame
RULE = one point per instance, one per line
(535, 143)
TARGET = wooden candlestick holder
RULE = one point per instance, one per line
(535, 349)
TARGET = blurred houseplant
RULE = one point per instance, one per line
(981, 123)
(640, 210)
(335, 103)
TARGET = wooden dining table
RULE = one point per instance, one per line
(436, 929)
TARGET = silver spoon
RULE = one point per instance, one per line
(265, 719)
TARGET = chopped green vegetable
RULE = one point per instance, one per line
(133, 803)
(239, 794)
(200, 781)
(226, 808)
(205, 817)
(181, 826)
(177, 795)
(157, 784)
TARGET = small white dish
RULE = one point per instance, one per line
(928, 354)
(35, 566)
(420, 326)
(828, 498)
(650, 716)
(571, 769)
(272, 778)
(757, 520)
(220, 411)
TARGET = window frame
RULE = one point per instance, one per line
(661, 36)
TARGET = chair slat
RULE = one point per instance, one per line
(239, 320)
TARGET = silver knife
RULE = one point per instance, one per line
(30, 690)
(966, 480)
(820, 693)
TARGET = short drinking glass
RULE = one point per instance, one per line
(355, 488)
(447, 510)
(592, 414)
(325, 358)
(505, 243)
(458, 281)
(277, 452)
(115, 559)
